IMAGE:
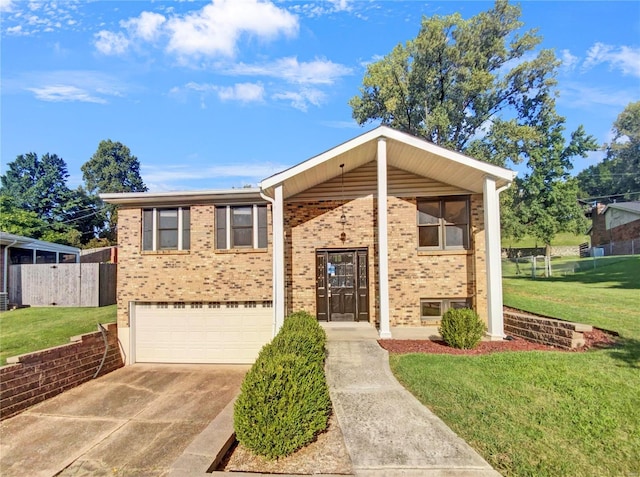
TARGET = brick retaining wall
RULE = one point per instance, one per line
(33, 377)
(549, 331)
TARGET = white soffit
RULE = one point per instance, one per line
(404, 151)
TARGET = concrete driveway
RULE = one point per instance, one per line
(134, 421)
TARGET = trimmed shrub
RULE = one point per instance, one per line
(461, 328)
(284, 399)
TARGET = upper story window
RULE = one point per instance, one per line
(241, 226)
(166, 229)
(443, 223)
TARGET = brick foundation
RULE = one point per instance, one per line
(31, 378)
(548, 331)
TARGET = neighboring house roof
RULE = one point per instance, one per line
(404, 151)
(32, 244)
(633, 207)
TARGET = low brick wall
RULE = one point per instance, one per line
(33, 377)
(549, 331)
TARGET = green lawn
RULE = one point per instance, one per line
(559, 240)
(31, 329)
(548, 413)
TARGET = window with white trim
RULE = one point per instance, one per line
(241, 226)
(433, 309)
(443, 223)
(166, 229)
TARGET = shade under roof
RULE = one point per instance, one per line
(404, 151)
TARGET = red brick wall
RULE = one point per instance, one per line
(599, 232)
(43, 374)
(627, 231)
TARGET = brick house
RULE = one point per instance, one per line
(616, 228)
(386, 228)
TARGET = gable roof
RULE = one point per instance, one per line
(404, 151)
(633, 207)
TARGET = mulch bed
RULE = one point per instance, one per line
(596, 339)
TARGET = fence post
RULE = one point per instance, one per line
(533, 266)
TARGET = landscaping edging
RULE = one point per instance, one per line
(31, 378)
(543, 330)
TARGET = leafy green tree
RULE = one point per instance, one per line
(112, 169)
(462, 84)
(618, 175)
(18, 221)
(38, 185)
(545, 201)
(476, 86)
(38, 203)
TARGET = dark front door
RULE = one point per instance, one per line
(342, 292)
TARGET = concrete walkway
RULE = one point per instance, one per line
(387, 431)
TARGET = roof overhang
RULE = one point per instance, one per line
(160, 199)
(404, 151)
(20, 241)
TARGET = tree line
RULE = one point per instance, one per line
(36, 201)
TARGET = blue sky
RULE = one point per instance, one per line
(212, 95)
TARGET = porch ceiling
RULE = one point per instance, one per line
(404, 151)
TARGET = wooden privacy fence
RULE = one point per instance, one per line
(63, 284)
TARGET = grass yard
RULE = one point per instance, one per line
(32, 329)
(561, 239)
(548, 413)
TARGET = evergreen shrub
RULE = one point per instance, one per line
(461, 328)
(284, 399)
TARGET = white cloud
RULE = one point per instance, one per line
(59, 93)
(303, 98)
(579, 95)
(16, 30)
(215, 29)
(172, 177)
(212, 31)
(67, 85)
(6, 5)
(569, 61)
(319, 71)
(624, 58)
(146, 26)
(109, 43)
(242, 92)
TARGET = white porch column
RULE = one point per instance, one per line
(383, 243)
(278, 258)
(494, 263)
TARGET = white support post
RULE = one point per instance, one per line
(278, 259)
(383, 243)
(494, 264)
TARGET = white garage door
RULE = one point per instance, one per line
(201, 332)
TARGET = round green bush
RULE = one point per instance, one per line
(461, 328)
(284, 403)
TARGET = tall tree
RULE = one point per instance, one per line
(618, 175)
(544, 201)
(112, 169)
(462, 81)
(38, 185)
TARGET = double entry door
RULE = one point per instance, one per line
(342, 285)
